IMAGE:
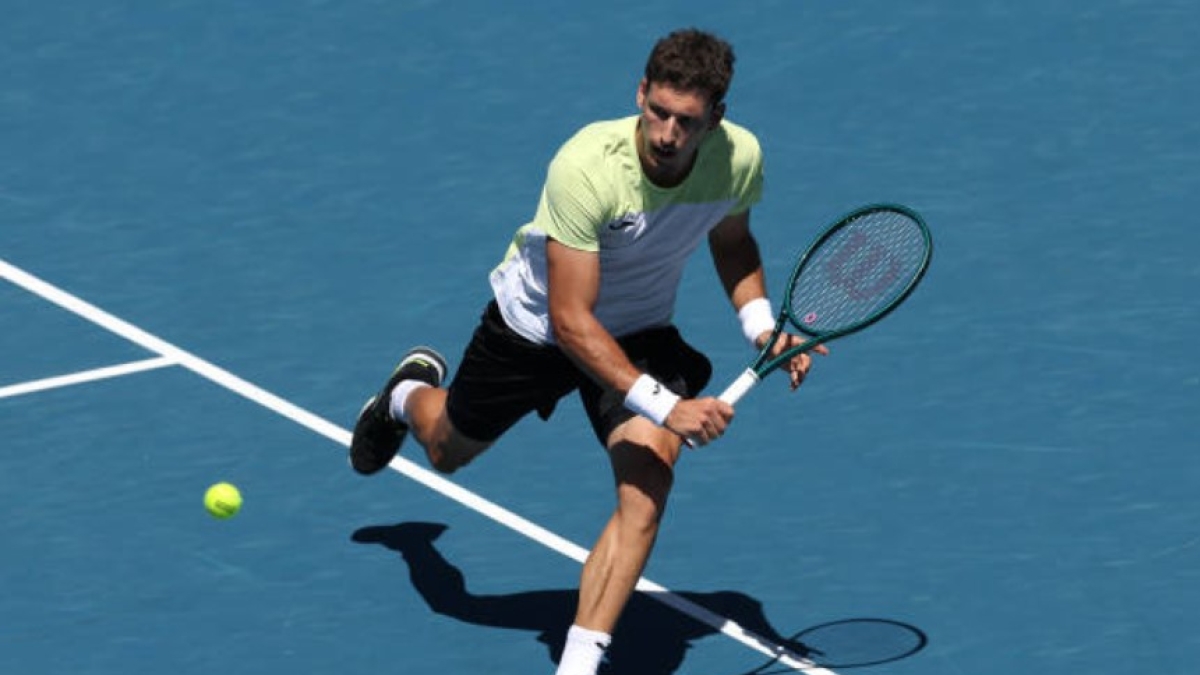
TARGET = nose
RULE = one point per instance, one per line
(670, 133)
(673, 130)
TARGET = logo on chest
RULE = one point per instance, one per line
(623, 230)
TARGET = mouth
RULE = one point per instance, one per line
(663, 152)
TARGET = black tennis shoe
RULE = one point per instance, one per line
(377, 435)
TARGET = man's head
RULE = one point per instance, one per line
(682, 99)
(692, 60)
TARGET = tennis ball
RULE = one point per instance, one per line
(223, 500)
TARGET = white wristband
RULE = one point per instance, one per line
(649, 398)
(757, 318)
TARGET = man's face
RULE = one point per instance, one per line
(673, 124)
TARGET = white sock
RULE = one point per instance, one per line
(400, 397)
(583, 651)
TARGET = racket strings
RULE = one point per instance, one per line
(858, 271)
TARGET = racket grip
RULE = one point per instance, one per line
(738, 388)
(732, 394)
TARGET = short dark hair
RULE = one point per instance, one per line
(692, 60)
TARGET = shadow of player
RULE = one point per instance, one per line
(651, 639)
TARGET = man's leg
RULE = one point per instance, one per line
(424, 409)
(502, 377)
(412, 400)
(643, 456)
(378, 431)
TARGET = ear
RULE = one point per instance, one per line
(643, 87)
(718, 114)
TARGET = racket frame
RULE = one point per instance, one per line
(764, 363)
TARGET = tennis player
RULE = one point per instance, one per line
(583, 302)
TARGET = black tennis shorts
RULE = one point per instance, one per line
(503, 377)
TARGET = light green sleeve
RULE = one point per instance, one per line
(750, 176)
(571, 209)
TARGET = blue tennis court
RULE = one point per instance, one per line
(221, 223)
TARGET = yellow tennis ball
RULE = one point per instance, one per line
(223, 500)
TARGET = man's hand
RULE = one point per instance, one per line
(700, 421)
(797, 368)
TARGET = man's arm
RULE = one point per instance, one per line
(739, 266)
(735, 255)
(573, 284)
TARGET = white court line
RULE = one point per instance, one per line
(424, 476)
(85, 376)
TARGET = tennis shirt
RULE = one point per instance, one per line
(596, 198)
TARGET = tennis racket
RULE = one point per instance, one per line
(853, 274)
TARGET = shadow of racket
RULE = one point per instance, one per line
(851, 643)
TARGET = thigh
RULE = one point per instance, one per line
(665, 355)
(503, 377)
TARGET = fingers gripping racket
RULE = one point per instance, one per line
(856, 272)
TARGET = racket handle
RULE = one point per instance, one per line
(738, 388)
(732, 394)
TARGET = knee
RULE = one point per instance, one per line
(645, 475)
(446, 449)
(640, 514)
(643, 502)
(448, 457)
(445, 462)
